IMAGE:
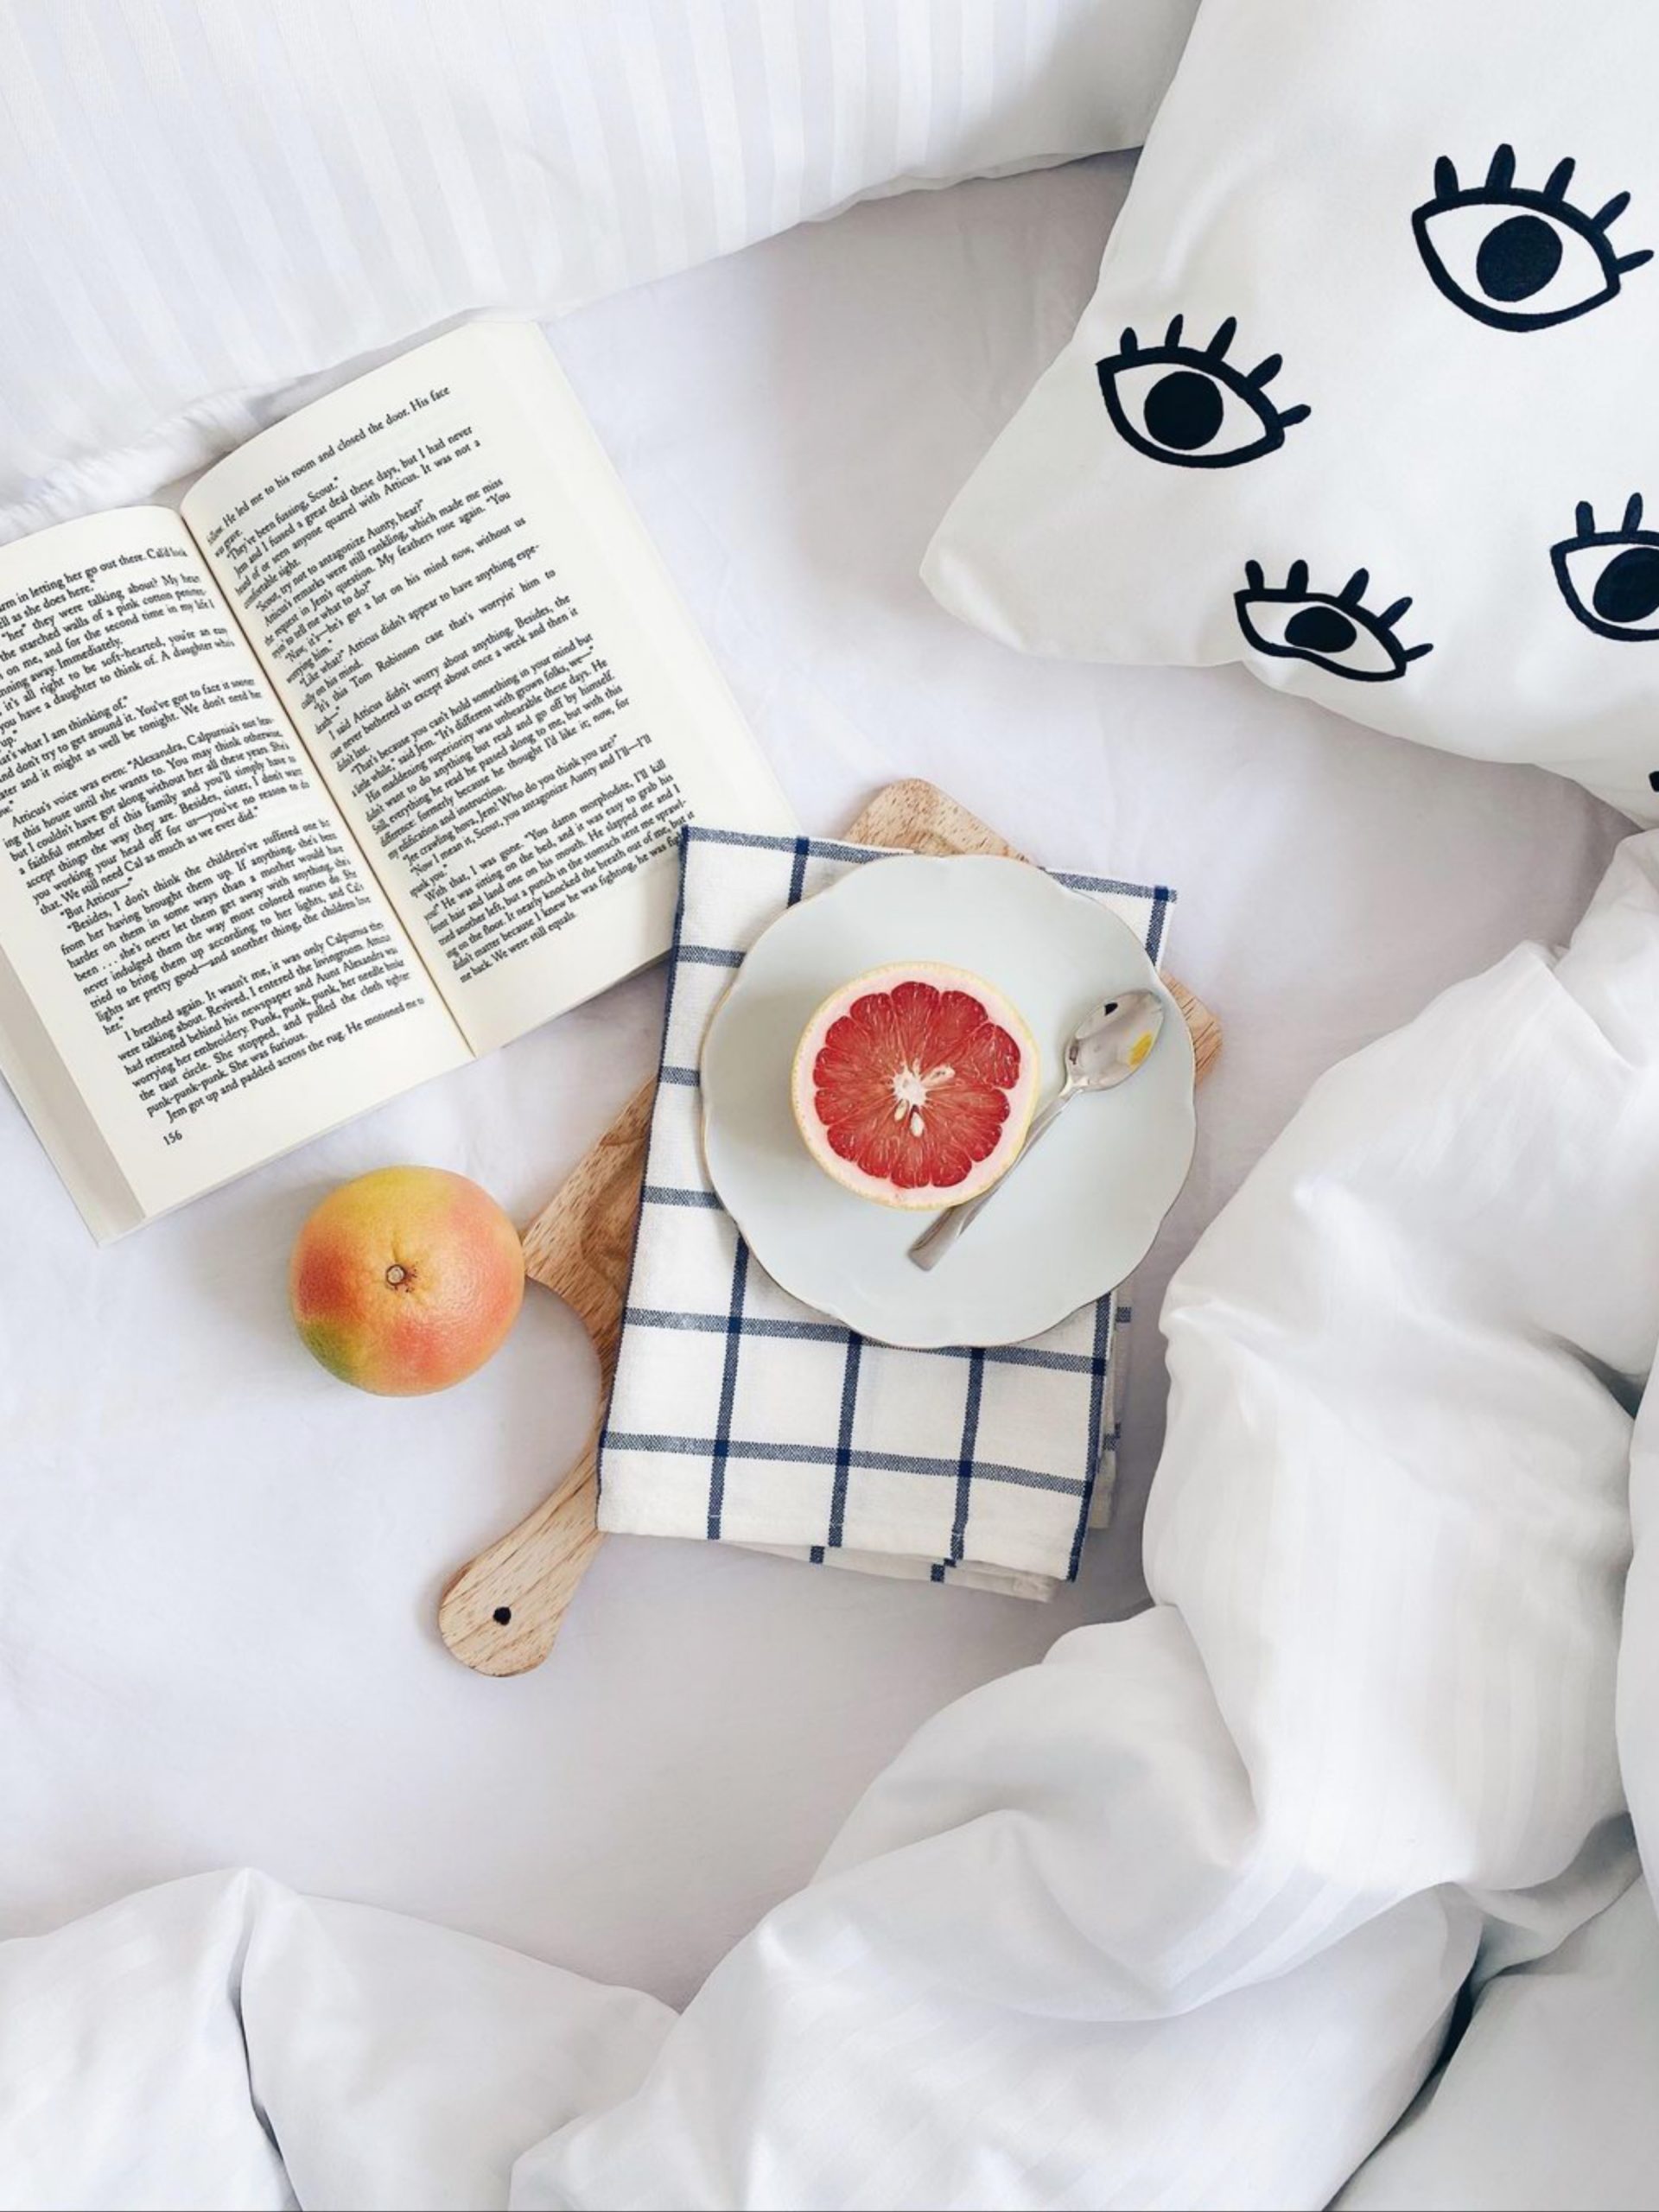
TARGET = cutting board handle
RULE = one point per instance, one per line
(500, 1615)
(502, 1612)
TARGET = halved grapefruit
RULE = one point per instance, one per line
(914, 1085)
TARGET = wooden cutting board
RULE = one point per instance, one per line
(501, 1613)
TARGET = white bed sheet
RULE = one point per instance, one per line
(218, 1569)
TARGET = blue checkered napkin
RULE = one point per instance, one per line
(741, 1416)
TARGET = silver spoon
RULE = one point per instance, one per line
(1111, 1043)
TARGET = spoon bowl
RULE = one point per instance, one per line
(1111, 1042)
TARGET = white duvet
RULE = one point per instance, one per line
(1181, 1916)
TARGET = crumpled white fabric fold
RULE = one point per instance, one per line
(1181, 1916)
(223, 2042)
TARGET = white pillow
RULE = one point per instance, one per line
(205, 204)
(1365, 398)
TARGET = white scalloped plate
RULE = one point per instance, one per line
(1076, 1218)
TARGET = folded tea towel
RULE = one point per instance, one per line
(741, 1416)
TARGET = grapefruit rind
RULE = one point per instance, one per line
(1021, 1096)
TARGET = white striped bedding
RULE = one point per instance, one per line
(210, 208)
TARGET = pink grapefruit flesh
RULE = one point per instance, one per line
(914, 1084)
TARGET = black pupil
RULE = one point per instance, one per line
(1627, 590)
(1518, 258)
(1319, 630)
(1184, 410)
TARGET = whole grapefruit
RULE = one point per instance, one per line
(406, 1280)
(914, 1084)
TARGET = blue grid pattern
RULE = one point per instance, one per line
(739, 1415)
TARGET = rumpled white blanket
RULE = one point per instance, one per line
(1180, 1917)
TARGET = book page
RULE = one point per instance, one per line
(208, 959)
(472, 632)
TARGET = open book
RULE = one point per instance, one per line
(368, 761)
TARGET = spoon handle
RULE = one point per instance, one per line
(940, 1235)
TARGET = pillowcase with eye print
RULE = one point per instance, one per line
(1368, 397)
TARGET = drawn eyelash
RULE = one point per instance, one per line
(1543, 261)
(1334, 630)
(1610, 578)
(1189, 405)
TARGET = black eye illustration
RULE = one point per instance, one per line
(1333, 629)
(1178, 403)
(1610, 578)
(1520, 260)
